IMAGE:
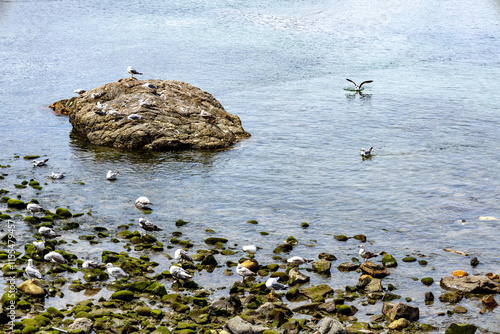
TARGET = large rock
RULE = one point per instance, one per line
(175, 115)
(237, 325)
(400, 310)
(471, 284)
(374, 270)
(331, 326)
(84, 324)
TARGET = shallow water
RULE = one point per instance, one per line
(431, 115)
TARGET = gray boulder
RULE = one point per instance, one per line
(237, 325)
(400, 310)
(172, 115)
(331, 326)
(471, 284)
(84, 324)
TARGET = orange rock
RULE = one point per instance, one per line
(492, 276)
(459, 273)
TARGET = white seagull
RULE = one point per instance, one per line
(116, 272)
(56, 176)
(39, 246)
(148, 226)
(297, 260)
(179, 273)
(55, 257)
(40, 163)
(181, 254)
(112, 175)
(90, 265)
(250, 249)
(366, 153)
(365, 254)
(134, 117)
(31, 271)
(132, 71)
(114, 113)
(149, 85)
(33, 207)
(143, 202)
(273, 284)
(244, 272)
(79, 91)
(358, 88)
(48, 232)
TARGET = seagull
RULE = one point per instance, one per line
(358, 88)
(112, 175)
(250, 249)
(179, 273)
(40, 163)
(114, 113)
(31, 271)
(298, 260)
(244, 272)
(79, 91)
(48, 232)
(134, 117)
(366, 153)
(206, 114)
(39, 246)
(116, 272)
(149, 85)
(132, 71)
(148, 226)
(273, 284)
(33, 207)
(142, 202)
(56, 176)
(365, 254)
(90, 265)
(55, 257)
(181, 254)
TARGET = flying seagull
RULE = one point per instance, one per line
(366, 153)
(40, 163)
(358, 88)
(133, 71)
(148, 226)
(365, 254)
(31, 271)
(181, 254)
(273, 284)
(116, 272)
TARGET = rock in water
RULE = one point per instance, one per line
(171, 116)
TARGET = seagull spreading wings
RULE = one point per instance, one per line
(358, 88)
(366, 153)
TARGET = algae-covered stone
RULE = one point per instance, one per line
(284, 248)
(460, 329)
(253, 221)
(399, 324)
(214, 240)
(64, 213)
(344, 309)
(55, 312)
(16, 203)
(322, 266)
(180, 308)
(451, 297)
(34, 288)
(409, 259)
(156, 289)
(161, 330)
(323, 290)
(347, 266)
(124, 295)
(389, 261)
(427, 280)
(341, 237)
(180, 222)
(291, 241)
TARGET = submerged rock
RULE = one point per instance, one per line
(130, 114)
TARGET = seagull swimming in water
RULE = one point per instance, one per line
(148, 226)
(366, 153)
(273, 284)
(365, 254)
(181, 254)
(297, 260)
(34, 208)
(112, 175)
(244, 272)
(132, 71)
(116, 272)
(56, 176)
(143, 202)
(358, 88)
(31, 271)
(40, 163)
(39, 246)
(55, 257)
(48, 232)
(179, 273)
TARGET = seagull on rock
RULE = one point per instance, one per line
(39, 246)
(179, 273)
(55, 257)
(297, 260)
(79, 91)
(148, 226)
(143, 202)
(48, 232)
(40, 163)
(116, 272)
(133, 71)
(181, 254)
(31, 271)
(273, 284)
(358, 88)
(33, 207)
(90, 265)
(366, 153)
(365, 254)
(244, 272)
(112, 175)
(149, 85)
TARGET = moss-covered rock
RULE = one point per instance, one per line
(124, 295)
(341, 237)
(427, 280)
(409, 259)
(388, 261)
(65, 213)
(156, 289)
(460, 329)
(16, 204)
(214, 240)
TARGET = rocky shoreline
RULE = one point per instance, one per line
(156, 302)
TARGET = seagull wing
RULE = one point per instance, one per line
(364, 82)
(352, 82)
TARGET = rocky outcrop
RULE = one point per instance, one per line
(168, 115)
(471, 284)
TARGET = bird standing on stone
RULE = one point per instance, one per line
(116, 272)
(366, 153)
(90, 265)
(56, 176)
(132, 71)
(79, 91)
(55, 257)
(148, 226)
(244, 272)
(143, 202)
(365, 254)
(31, 271)
(39, 246)
(181, 254)
(40, 163)
(358, 88)
(34, 208)
(273, 284)
(48, 232)
(297, 260)
(179, 273)
(112, 175)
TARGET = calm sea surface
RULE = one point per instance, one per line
(432, 115)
